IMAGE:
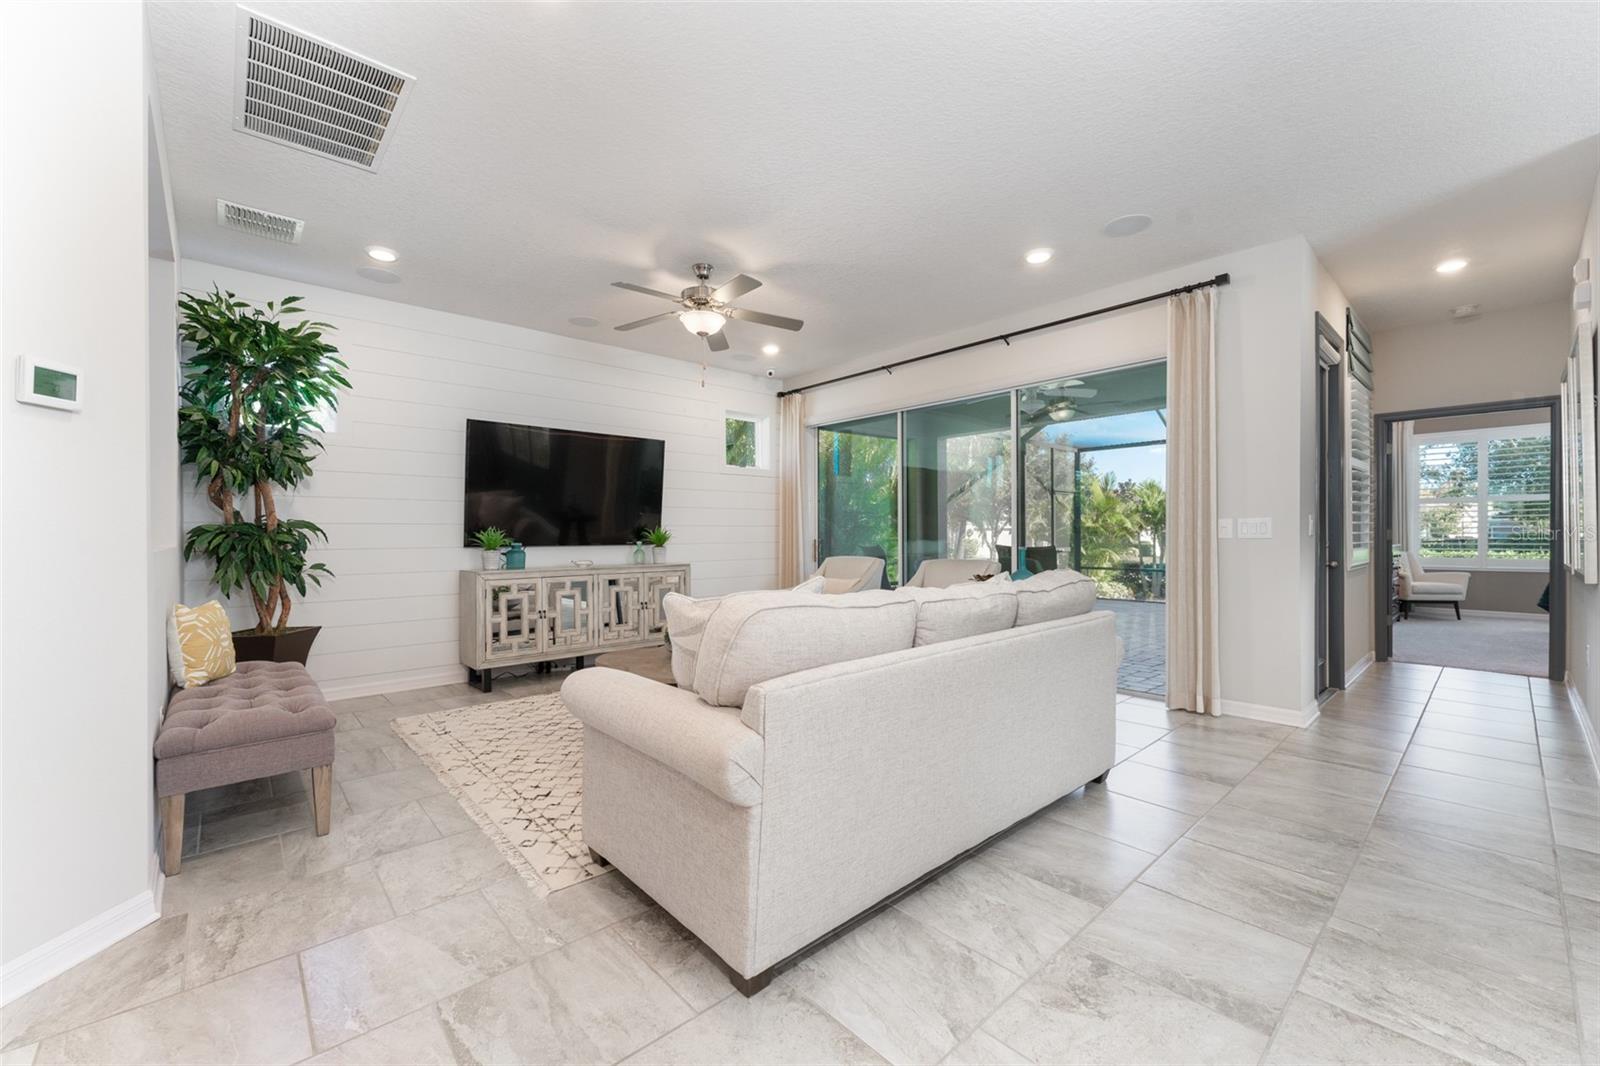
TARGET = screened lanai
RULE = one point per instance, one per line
(1079, 465)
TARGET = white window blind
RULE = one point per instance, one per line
(1360, 508)
(1483, 497)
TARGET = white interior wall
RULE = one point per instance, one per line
(1501, 355)
(75, 685)
(1263, 398)
(1583, 600)
(388, 489)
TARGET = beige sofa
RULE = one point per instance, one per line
(799, 785)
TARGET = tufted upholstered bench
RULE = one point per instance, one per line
(263, 719)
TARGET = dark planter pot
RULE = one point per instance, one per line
(293, 645)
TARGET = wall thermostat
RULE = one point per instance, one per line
(49, 384)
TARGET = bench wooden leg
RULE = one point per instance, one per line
(171, 834)
(322, 797)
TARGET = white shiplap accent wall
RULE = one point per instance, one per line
(388, 489)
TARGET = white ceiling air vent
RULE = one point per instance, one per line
(268, 224)
(299, 90)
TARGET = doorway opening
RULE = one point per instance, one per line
(1468, 507)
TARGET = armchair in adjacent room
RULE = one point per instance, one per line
(1429, 586)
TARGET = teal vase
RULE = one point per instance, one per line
(516, 558)
(638, 554)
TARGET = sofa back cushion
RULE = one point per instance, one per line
(1053, 594)
(964, 610)
(686, 625)
(758, 636)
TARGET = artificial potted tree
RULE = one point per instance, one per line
(247, 419)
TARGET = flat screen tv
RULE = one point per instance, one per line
(548, 487)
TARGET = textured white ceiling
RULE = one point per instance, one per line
(883, 167)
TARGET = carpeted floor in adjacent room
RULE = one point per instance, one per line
(1507, 645)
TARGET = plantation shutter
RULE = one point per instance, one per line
(1358, 346)
(1360, 473)
(1518, 497)
(1484, 497)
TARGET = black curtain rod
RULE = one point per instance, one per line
(889, 368)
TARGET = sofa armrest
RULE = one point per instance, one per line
(709, 745)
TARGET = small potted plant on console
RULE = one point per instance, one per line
(658, 538)
(492, 540)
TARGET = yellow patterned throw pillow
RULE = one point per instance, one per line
(199, 644)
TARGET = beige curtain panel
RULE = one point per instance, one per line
(1193, 671)
(791, 486)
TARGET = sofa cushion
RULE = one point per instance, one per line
(1053, 594)
(686, 624)
(757, 636)
(963, 610)
(1438, 589)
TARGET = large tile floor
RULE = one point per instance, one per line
(1414, 878)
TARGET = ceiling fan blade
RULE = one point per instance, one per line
(764, 319)
(631, 287)
(717, 342)
(735, 287)
(646, 321)
(1078, 394)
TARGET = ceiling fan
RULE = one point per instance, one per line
(1056, 402)
(706, 310)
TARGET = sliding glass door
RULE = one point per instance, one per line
(1094, 496)
(1078, 465)
(958, 480)
(858, 466)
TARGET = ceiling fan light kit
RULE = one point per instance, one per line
(707, 310)
(702, 323)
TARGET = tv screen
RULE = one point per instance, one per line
(548, 487)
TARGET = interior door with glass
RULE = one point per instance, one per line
(1330, 518)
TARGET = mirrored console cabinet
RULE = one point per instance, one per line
(514, 617)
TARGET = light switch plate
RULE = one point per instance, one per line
(1255, 528)
(1224, 529)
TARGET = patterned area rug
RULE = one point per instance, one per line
(517, 768)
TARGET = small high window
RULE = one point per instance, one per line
(744, 441)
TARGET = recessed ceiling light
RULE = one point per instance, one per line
(584, 320)
(770, 349)
(1039, 256)
(1453, 265)
(1127, 225)
(379, 253)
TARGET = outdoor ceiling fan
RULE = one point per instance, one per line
(1055, 402)
(706, 310)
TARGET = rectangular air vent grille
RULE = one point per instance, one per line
(268, 224)
(299, 90)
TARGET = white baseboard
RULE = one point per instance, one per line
(1475, 613)
(27, 972)
(1359, 668)
(348, 690)
(1261, 712)
(1590, 741)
